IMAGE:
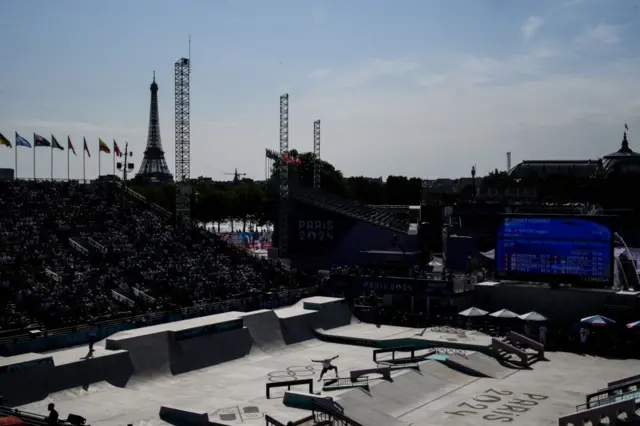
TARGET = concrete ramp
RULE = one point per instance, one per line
(264, 328)
(149, 353)
(444, 373)
(366, 415)
(115, 368)
(209, 350)
(71, 370)
(478, 365)
(298, 328)
(331, 315)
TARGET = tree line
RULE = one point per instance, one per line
(247, 200)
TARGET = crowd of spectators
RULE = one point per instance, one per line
(67, 246)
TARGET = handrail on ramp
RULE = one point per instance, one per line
(532, 344)
(393, 351)
(341, 382)
(323, 413)
(499, 345)
(288, 384)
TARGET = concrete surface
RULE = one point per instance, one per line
(227, 377)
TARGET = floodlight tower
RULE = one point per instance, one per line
(316, 154)
(183, 135)
(283, 218)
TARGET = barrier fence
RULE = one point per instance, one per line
(83, 334)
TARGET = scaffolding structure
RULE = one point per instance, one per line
(283, 168)
(317, 166)
(183, 137)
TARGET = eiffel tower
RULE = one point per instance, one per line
(154, 166)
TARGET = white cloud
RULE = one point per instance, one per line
(319, 73)
(602, 33)
(531, 27)
(368, 72)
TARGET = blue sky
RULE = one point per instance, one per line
(416, 87)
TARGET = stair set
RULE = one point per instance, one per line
(352, 209)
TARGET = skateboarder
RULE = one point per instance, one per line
(327, 366)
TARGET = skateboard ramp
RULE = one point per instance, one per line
(206, 351)
(407, 391)
(298, 327)
(264, 328)
(149, 353)
(479, 365)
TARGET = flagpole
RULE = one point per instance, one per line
(99, 161)
(68, 176)
(114, 159)
(16, 166)
(34, 157)
(51, 158)
(84, 155)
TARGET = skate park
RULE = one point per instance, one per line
(255, 368)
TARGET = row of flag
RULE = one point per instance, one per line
(53, 143)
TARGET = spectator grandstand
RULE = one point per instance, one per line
(78, 253)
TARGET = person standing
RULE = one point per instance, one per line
(53, 417)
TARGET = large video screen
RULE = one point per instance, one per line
(561, 249)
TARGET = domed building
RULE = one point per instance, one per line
(623, 161)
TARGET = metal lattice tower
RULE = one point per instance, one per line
(153, 165)
(316, 154)
(183, 136)
(283, 219)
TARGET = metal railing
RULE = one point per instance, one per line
(334, 415)
(345, 382)
(451, 351)
(141, 294)
(48, 272)
(97, 245)
(76, 245)
(190, 312)
(122, 298)
(635, 394)
(31, 419)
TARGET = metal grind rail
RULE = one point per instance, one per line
(323, 413)
(451, 351)
(345, 382)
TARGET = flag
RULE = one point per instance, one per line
(86, 148)
(4, 141)
(103, 147)
(70, 147)
(626, 127)
(116, 149)
(55, 144)
(40, 141)
(20, 141)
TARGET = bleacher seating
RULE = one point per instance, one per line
(379, 217)
(75, 253)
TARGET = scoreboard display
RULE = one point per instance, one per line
(565, 249)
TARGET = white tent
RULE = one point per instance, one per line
(503, 313)
(532, 316)
(473, 312)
